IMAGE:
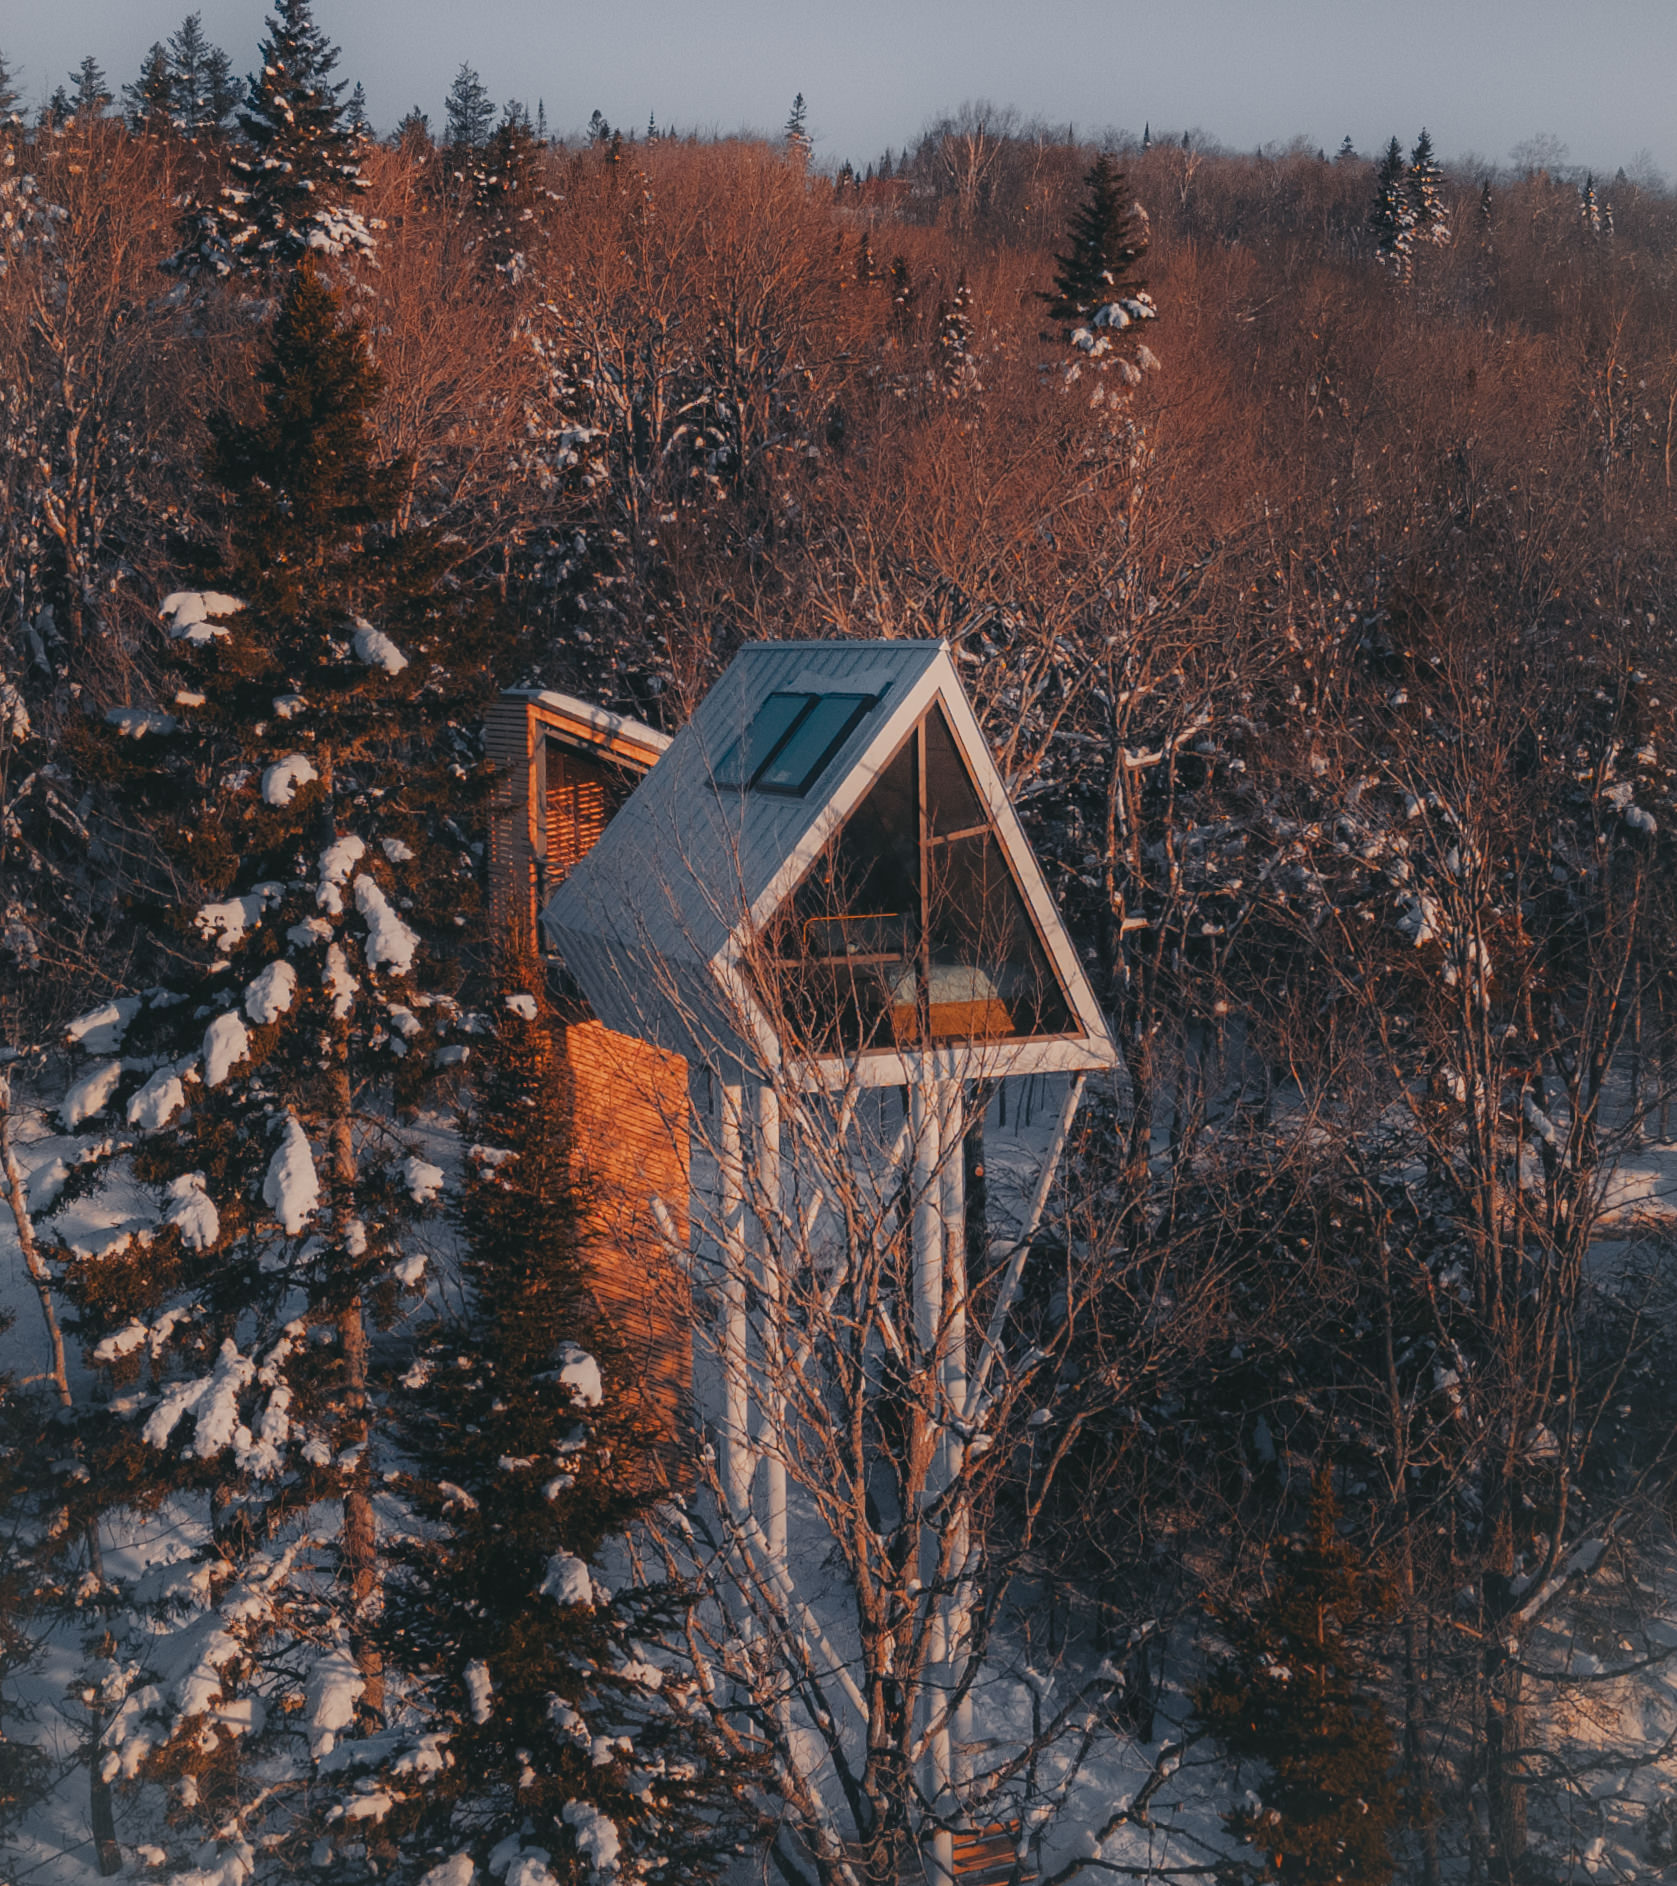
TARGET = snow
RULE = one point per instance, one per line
(281, 780)
(292, 1187)
(389, 940)
(226, 923)
(101, 1029)
(596, 1835)
(192, 1209)
(90, 1095)
(272, 993)
(580, 1373)
(226, 1044)
(334, 1688)
(193, 615)
(410, 1269)
(160, 1099)
(396, 851)
(336, 862)
(458, 1871)
(288, 705)
(338, 983)
(213, 1400)
(480, 1691)
(523, 1006)
(377, 650)
(134, 722)
(567, 1580)
(423, 1181)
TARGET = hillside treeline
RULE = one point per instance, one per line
(1324, 642)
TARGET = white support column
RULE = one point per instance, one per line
(771, 1400)
(926, 1108)
(958, 1605)
(736, 1432)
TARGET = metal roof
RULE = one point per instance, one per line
(652, 921)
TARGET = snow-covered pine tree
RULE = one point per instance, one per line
(91, 98)
(202, 79)
(10, 97)
(1347, 152)
(295, 174)
(508, 189)
(904, 296)
(798, 141)
(305, 790)
(469, 117)
(953, 342)
(1429, 215)
(567, 1711)
(1589, 207)
(148, 102)
(1298, 1696)
(1392, 216)
(356, 121)
(1097, 292)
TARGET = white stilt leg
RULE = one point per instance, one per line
(927, 1108)
(736, 1433)
(771, 1400)
(958, 1603)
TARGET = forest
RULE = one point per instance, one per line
(1302, 524)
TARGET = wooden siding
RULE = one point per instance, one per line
(627, 1107)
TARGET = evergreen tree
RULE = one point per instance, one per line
(1347, 152)
(10, 97)
(356, 121)
(953, 343)
(798, 141)
(1296, 1695)
(413, 133)
(599, 132)
(469, 115)
(1392, 217)
(202, 79)
(1147, 137)
(509, 188)
(867, 271)
(56, 112)
(517, 1416)
(92, 97)
(1106, 241)
(307, 789)
(296, 175)
(149, 102)
(652, 127)
(1589, 207)
(904, 295)
(1429, 219)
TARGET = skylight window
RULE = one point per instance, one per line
(790, 741)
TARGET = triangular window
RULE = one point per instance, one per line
(911, 927)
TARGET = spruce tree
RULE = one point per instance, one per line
(359, 125)
(1589, 207)
(1105, 243)
(92, 96)
(560, 1701)
(1347, 152)
(1428, 215)
(10, 97)
(201, 78)
(953, 341)
(469, 116)
(1392, 217)
(305, 789)
(296, 174)
(149, 102)
(1297, 1695)
(509, 191)
(798, 141)
(904, 296)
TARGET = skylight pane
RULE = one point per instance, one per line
(796, 764)
(769, 726)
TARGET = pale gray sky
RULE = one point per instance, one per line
(1483, 75)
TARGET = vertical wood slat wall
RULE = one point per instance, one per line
(556, 783)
